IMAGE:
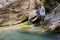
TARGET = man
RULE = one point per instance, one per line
(42, 13)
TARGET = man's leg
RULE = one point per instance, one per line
(42, 19)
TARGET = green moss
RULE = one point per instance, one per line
(25, 23)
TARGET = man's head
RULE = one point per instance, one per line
(42, 2)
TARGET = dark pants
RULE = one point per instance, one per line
(40, 17)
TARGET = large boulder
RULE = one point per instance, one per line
(15, 12)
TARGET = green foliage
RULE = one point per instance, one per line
(50, 5)
(58, 1)
(57, 29)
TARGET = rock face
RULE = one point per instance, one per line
(15, 11)
(54, 18)
(3, 3)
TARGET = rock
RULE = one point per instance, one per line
(15, 11)
(54, 26)
(54, 18)
(32, 14)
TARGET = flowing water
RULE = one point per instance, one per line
(17, 35)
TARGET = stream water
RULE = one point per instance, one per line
(17, 35)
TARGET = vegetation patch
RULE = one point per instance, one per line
(25, 23)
